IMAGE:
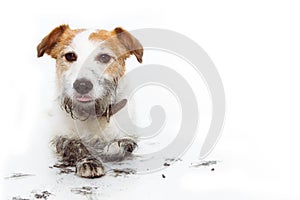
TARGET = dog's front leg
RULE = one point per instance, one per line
(74, 153)
(118, 149)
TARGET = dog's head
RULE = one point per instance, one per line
(89, 65)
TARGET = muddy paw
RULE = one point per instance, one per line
(119, 149)
(89, 168)
(128, 145)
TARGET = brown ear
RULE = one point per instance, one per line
(130, 42)
(49, 42)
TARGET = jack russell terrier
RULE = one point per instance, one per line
(89, 66)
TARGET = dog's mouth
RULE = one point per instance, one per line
(98, 108)
(84, 106)
(84, 98)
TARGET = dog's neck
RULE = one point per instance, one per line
(92, 127)
(113, 109)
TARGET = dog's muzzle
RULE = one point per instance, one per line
(83, 87)
(98, 109)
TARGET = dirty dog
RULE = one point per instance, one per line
(89, 66)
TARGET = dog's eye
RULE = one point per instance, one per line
(71, 57)
(104, 58)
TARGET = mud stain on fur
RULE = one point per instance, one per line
(70, 150)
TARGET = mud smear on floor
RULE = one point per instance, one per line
(167, 164)
(204, 163)
(43, 195)
(168, 161)
(63, 168)
(18, 175)
(85, 190)
(36, 195)
(122, 172)
(19, 198)
(173, 159)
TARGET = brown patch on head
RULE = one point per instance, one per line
(56, 40)
(132, 45)
(116, 69)
(54, 43)
(100, 35)
(123, 44)
(49, 42)
(109, 39)
(121, 41)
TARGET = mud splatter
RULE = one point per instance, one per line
(43, 195)
(63, 168)
(171, 160)
(204, 163)
(85, 190)
(125, 171)
(19, 198)
(18, 175)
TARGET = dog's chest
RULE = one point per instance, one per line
(63, 124)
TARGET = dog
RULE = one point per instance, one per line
(89, 66)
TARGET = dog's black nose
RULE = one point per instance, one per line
(82, 86)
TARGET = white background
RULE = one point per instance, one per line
(255, 46)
